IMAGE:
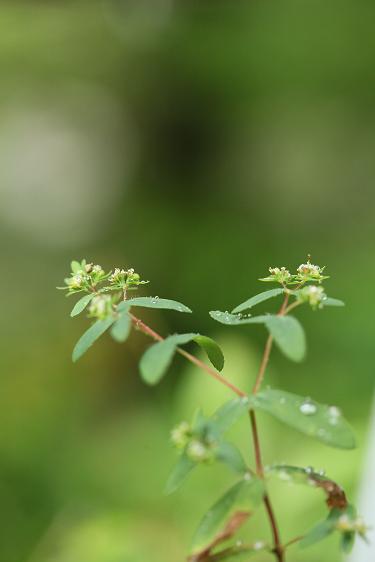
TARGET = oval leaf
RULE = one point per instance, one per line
(212, 349)
(155, 362)
(261, 297)
(75, 266)
(325, 423)
(332, 302)
(90, 336)
(154, 302)
(246, 495)
(121, 328)
(236, 319)
(288, 335)
(81, 304)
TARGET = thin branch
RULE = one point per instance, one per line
(278, 549)
(214, 374)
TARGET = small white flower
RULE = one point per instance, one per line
(197, 451)
(98, 269)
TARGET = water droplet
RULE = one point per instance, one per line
(308, 408)
(258, 545)
(155, 299)
(321, 472)
(309, 469)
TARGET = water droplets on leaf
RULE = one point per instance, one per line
(308, 408)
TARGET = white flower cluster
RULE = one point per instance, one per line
(100, 306)
(312, 294)
(309, 271)
(346, 524)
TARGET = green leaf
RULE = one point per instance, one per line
(347, 541)
(245, 495)
(322, 422)
(121, 328)
(228, 454)
(155, 362)
(236, 319)
(158, 357)
(212, 349)
(288, 335)
(75, 266)
(153, 302)
(81, 304)
(181, 470)
(90, 336)
(286, 330)
(230, 412)
(318, 533)
(332, 302)
(293, 474)
(258, 299)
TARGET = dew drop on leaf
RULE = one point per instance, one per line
(308, 408)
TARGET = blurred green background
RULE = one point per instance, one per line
(199, 142)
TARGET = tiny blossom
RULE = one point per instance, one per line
(312, 294)
(279, 274)
(100, 306)
(98, 269)
(88, 267)
(76, 281)
(197, 451)
(117, 275)
(307, 271)
(180, 434)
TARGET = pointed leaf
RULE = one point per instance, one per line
(121, 328)
(230, 412)
(228, 454)
(325, 423)
(258, 299)
(329, 301)
(347, 541)
(81, 304)
(181, 470)
(245, 496)
(154, 302)
(318, 533)
(288, 335)
(90, 336)
(212, 349)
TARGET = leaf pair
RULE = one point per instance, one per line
(287, 332)
(155, 362)
(120, 319)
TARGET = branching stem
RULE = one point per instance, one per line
(278, 548)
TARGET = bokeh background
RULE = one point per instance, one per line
(199, 142)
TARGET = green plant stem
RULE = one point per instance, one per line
(278, 548)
